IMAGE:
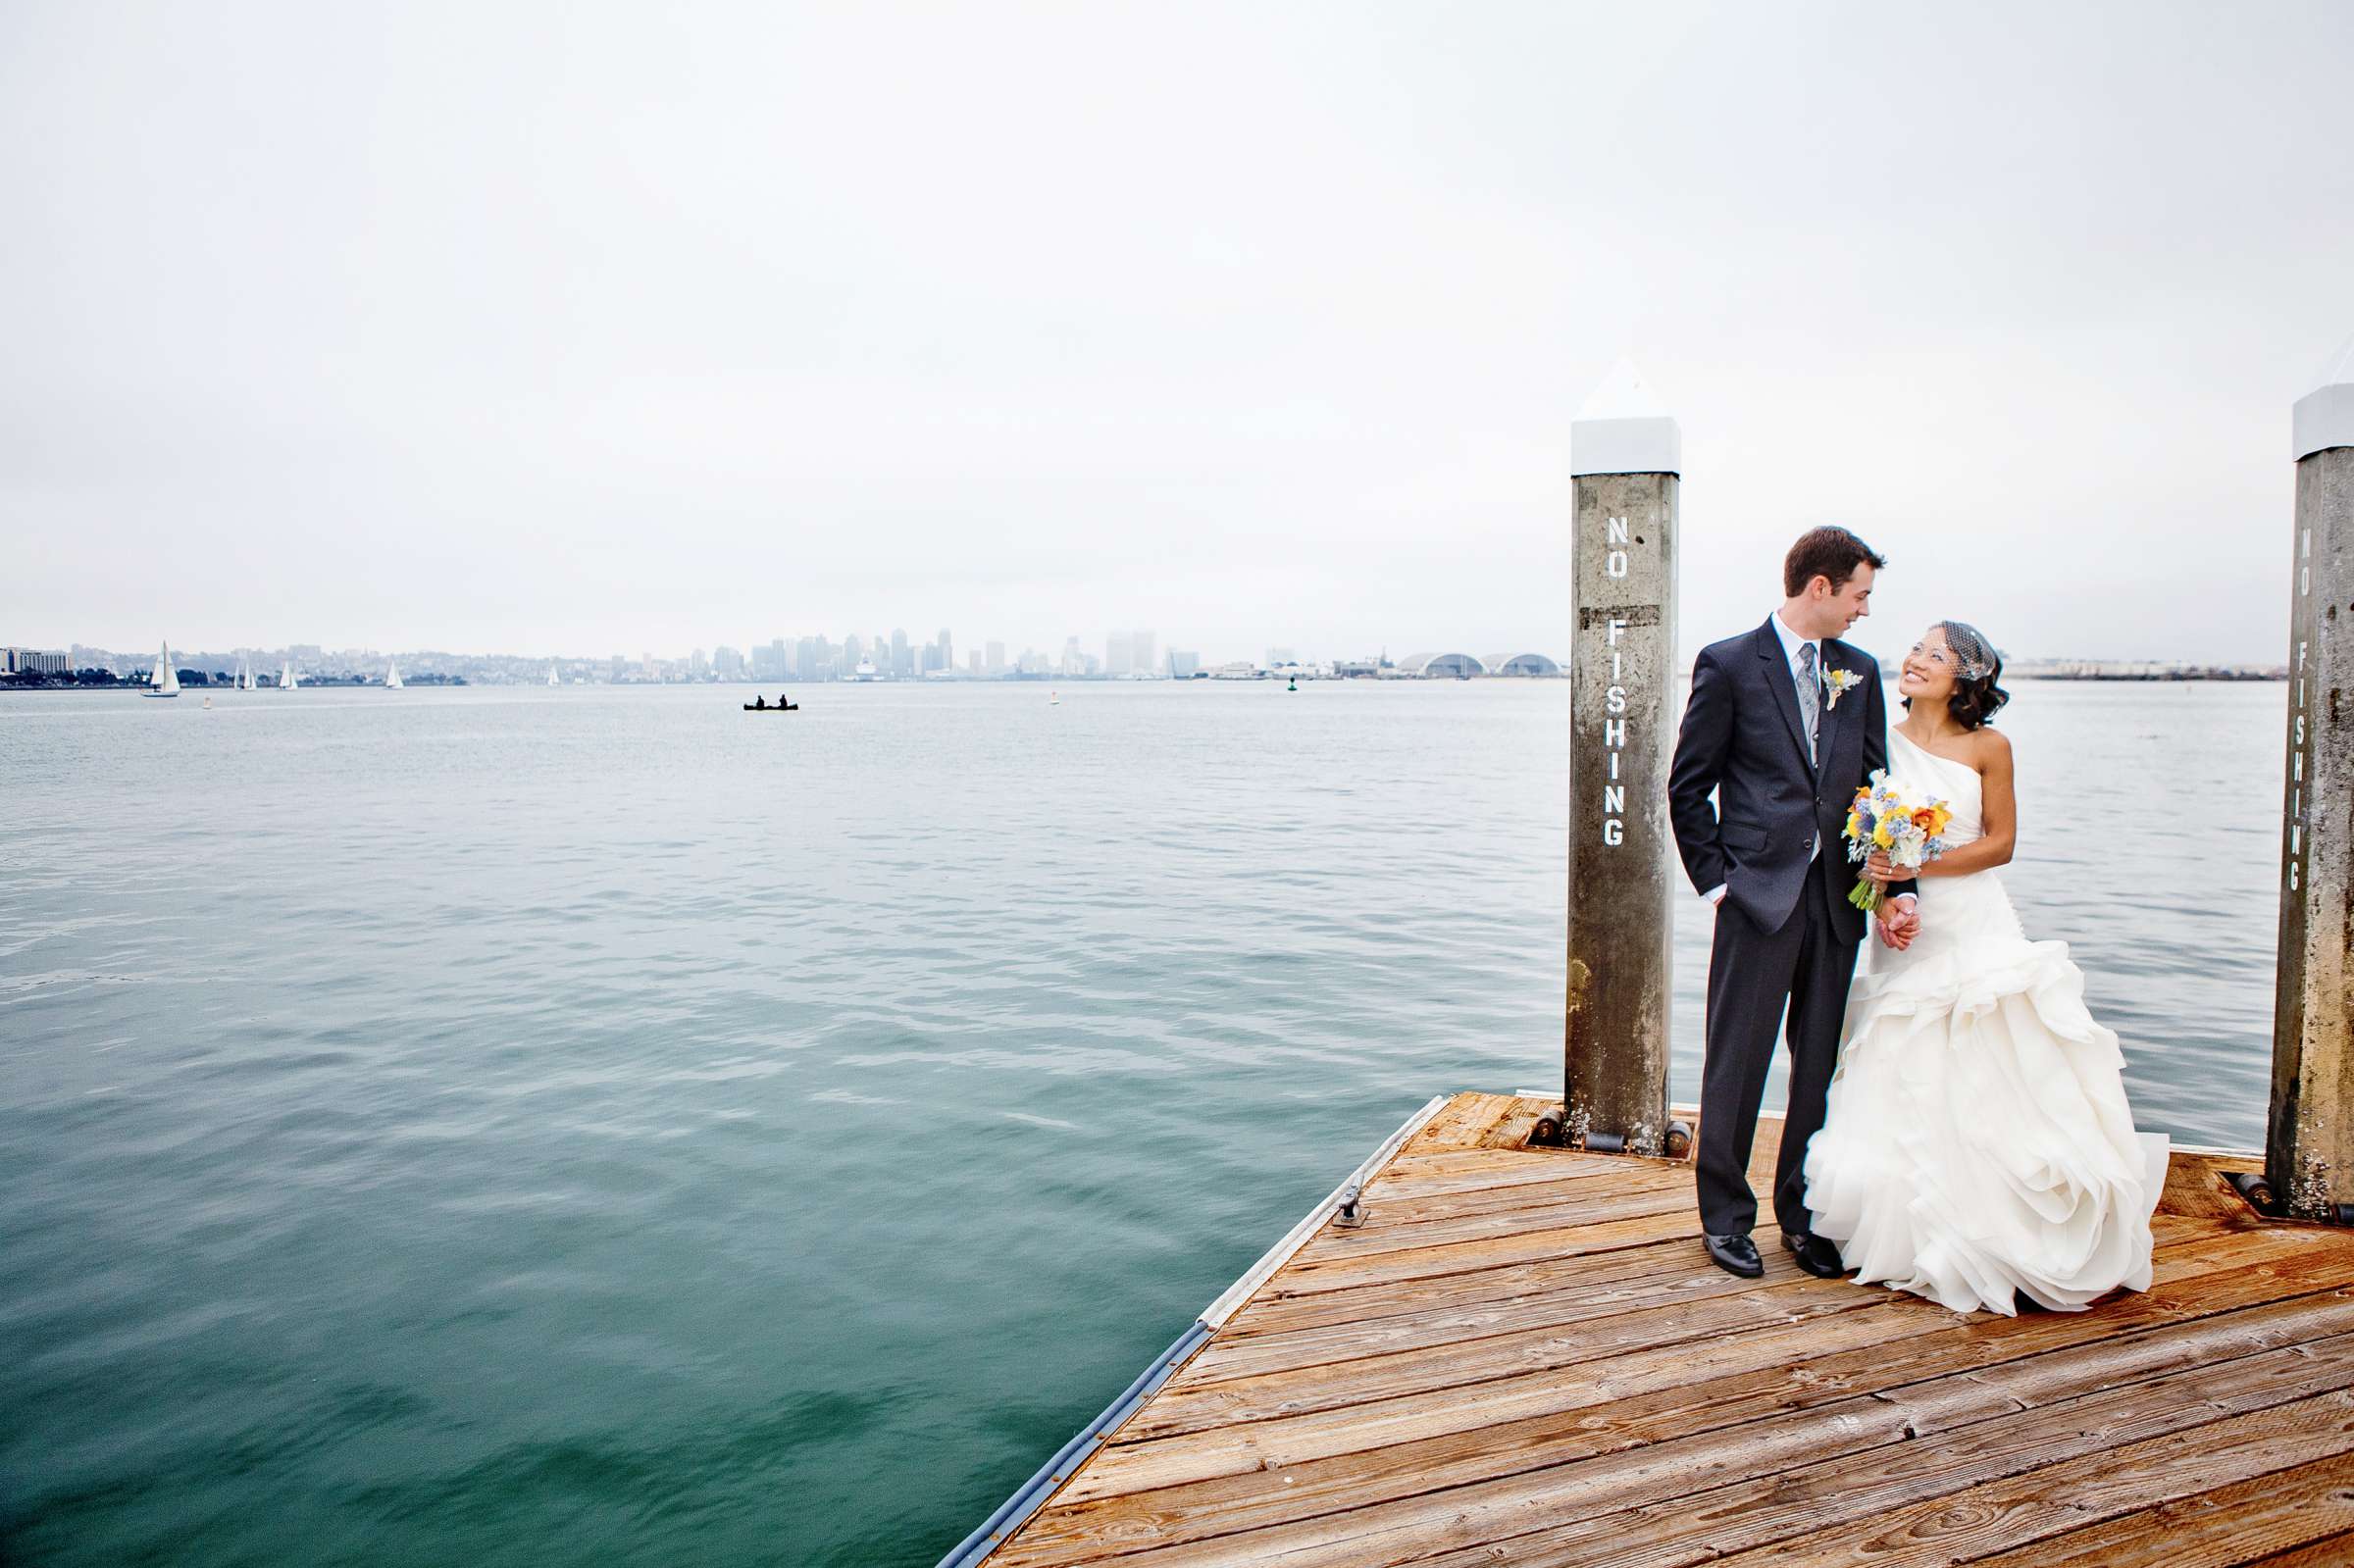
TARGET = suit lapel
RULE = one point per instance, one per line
(1785, 689)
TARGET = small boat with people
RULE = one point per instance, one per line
(761, 704)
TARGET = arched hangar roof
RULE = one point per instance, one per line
(1442, 664)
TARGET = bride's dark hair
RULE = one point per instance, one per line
(1977, 669)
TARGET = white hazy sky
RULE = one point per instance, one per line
(588, 329)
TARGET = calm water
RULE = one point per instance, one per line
(602, 1124)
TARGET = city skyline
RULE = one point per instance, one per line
(1136, 653)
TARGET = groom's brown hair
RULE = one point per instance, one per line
(1826, 552)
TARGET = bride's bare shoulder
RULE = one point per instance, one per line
(1988, 748)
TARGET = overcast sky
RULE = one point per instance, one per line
(583, 330)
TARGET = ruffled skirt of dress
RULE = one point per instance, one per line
(1978, 1141)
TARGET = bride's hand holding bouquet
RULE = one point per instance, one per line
(1895, 830)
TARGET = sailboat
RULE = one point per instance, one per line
(286, 676)
(391, 675)
(165, 683)
(551, 676)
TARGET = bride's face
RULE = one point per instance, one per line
(1929, 671)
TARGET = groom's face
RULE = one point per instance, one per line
(1842, 607)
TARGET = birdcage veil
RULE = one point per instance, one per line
(1974, 657)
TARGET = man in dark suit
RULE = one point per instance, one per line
(1784, 724)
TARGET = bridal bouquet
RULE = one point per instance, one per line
(1890, 815)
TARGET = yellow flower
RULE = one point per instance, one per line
(1885, 833)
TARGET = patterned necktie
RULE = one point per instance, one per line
(1809, 697)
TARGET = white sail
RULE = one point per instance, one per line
(286, 676)
(166, 681)
(552, 676)
(244, 673)
(392, 676)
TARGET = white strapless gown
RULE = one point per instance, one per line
(1978, 1140)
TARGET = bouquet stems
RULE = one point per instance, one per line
(1867, 896)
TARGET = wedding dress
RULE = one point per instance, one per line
(1978, 1140)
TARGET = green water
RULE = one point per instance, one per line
(596, 1125)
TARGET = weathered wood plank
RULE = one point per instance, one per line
(2120, 1470)
(2335, 1552)
(2195, 1187)
(2245, 1520)
(1496, 1165)
(1983, 1489)
(1252, 1356)
(1512, 1129)
(1388, 1206)
(1614, 1201)
(1625, 1458)
(1322, 1265)
(1214, 1398)
(1460, 1121)
(1911, 1340)
(1524, 1356)
(1672, 1258)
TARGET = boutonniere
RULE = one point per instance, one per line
(1838, 682)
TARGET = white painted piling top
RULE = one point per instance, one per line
(1623, 428)
(2325, 416)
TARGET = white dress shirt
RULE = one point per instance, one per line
(1791, 644)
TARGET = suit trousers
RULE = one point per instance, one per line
(1757, 978)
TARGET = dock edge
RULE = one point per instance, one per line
(1016, 1511)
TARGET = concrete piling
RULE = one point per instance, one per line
(2309, 1148)
(1625, 457)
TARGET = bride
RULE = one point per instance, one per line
(1978, 1149)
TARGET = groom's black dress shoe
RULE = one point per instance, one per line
(1735, 1255)
(1815, 1255)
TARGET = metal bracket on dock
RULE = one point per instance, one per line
(2256, 1189)
(1351, 1212)
(1552, 1131)
(2253, 1186)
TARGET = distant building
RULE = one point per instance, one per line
(1140, 659)
(1183, 663)
(1520, 664)
(996, 662)
(31, 661)
(1116, 655)
(1277, 658)
(1440, 666)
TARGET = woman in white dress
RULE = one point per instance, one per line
(1978, 1149)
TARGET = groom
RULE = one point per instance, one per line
(1785, 725)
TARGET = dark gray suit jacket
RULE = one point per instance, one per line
(1741, 738)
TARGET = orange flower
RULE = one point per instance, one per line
(1926, 819)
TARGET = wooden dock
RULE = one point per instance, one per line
(1523, 1356)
